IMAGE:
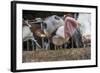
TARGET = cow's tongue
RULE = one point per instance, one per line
(70, 26)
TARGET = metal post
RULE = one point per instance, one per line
(27, 45)
(72, 42)
(42, 37)
(75, 17)
(32, 45)
(55, 47)
(42, 42)
(48, 44)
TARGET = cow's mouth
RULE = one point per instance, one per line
(46, 33)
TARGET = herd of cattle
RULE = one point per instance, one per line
(54, 32)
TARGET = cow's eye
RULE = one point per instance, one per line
(57, 18)
(44, 25)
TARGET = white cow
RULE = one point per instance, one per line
(27, 34)
(53, 22)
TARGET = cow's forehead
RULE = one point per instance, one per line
(51, 17)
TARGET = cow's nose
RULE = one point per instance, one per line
(46, 33)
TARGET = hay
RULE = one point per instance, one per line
(57, 55)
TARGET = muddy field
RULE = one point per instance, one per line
(57, 55)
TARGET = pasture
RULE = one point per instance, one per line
(57, 55)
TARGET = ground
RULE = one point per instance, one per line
(57, 55)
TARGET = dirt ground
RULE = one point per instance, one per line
(56, 55)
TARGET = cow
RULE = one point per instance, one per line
(85, 20)
(27, 35)
(69, 33)
(52, 23)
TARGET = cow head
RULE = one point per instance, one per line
(52, 23)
